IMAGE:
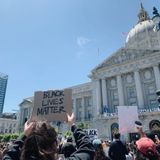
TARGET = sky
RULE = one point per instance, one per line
(54, 44)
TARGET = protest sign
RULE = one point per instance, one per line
(52, 105)
(92, 133)
(127, 115)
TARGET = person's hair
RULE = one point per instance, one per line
(117, 135)
(151, 155)
(99, 153)
(67, 149)
(151, 136)
(69, 139)
(41, 143)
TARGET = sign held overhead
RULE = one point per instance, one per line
(52, 105)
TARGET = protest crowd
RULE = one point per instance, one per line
(40, 142)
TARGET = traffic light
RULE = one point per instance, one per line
(158, 94)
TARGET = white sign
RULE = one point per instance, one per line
(93, 133)
(127, 115)
(52, 105)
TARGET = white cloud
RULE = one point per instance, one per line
(82, 41)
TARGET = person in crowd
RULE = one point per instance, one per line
(99, 153)
(157, 144)
(129, 156)
(1, 155)
(146, 147)
(67, 149)
(117, 150)
(40, 143)
(157, 140)
(105, 145)
(5, 148)
(70, 139)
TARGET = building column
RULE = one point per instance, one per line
(74, 106)
(21, 125)
(83, 109)
(21, 116)
(139, 90)
(98, 97)
(104, 93)
(120, 90)
(157, 76)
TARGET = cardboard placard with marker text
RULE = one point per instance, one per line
(52, 105)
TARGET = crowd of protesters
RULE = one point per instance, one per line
(4, 146)
(40, 142)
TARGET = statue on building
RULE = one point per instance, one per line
(156, 20)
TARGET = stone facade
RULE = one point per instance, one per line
(129, 83)
(25, 111)
(8, 125)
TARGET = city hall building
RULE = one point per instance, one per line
(129, 77)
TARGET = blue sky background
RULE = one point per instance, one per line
(53, 44)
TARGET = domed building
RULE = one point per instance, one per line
(143, 34)
(129, 77)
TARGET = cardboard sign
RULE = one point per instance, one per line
(52, 105)
(92, 133)
(127, 115)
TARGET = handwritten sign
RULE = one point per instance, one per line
(92, 133)
(52, 105)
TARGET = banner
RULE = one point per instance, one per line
(52, 105)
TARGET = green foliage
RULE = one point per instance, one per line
(83, 125)
(68, 134)
(56, 129)
(1, 137)
(8, 137)
(14, 136)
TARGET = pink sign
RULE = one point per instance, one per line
(127, 115)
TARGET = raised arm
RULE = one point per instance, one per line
(85, 149)
(14, 150)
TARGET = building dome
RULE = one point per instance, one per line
(142, 35)
(141, 29)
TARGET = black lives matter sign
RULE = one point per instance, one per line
(52, 102)
(92, 133)
(52, 105)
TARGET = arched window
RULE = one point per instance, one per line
(114, 129)
(154, 126)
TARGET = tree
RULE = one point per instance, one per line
(83, 125)
(8, 137)
(68, 133)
